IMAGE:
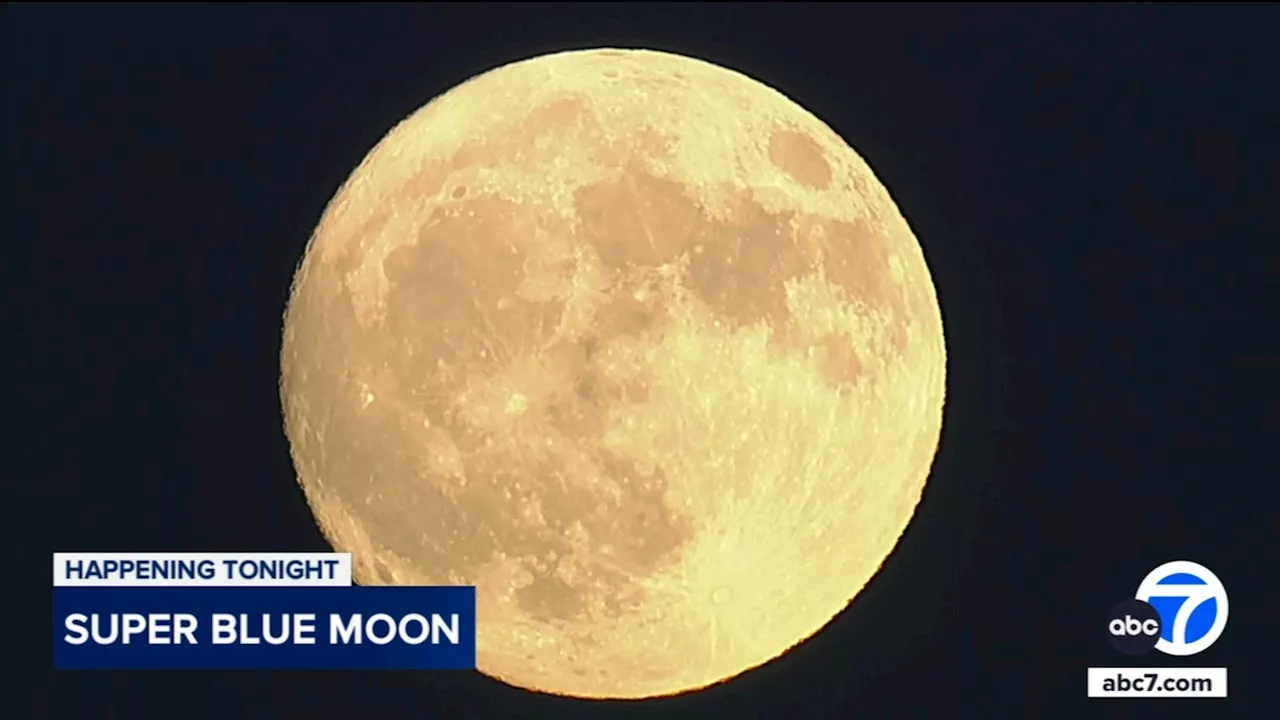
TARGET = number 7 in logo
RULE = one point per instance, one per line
(1192, 604)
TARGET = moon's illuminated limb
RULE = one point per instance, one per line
(634, 344)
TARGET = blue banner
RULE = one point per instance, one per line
(259, 628)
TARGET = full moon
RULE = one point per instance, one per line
(632, 343)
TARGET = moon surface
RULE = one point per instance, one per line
(632, 343)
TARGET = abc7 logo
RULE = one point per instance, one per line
(1194, 607)
(1133, 627)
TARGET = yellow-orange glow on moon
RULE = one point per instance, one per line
(634, 344)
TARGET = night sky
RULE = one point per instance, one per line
(1091, 185)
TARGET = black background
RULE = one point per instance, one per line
(1090, 184)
